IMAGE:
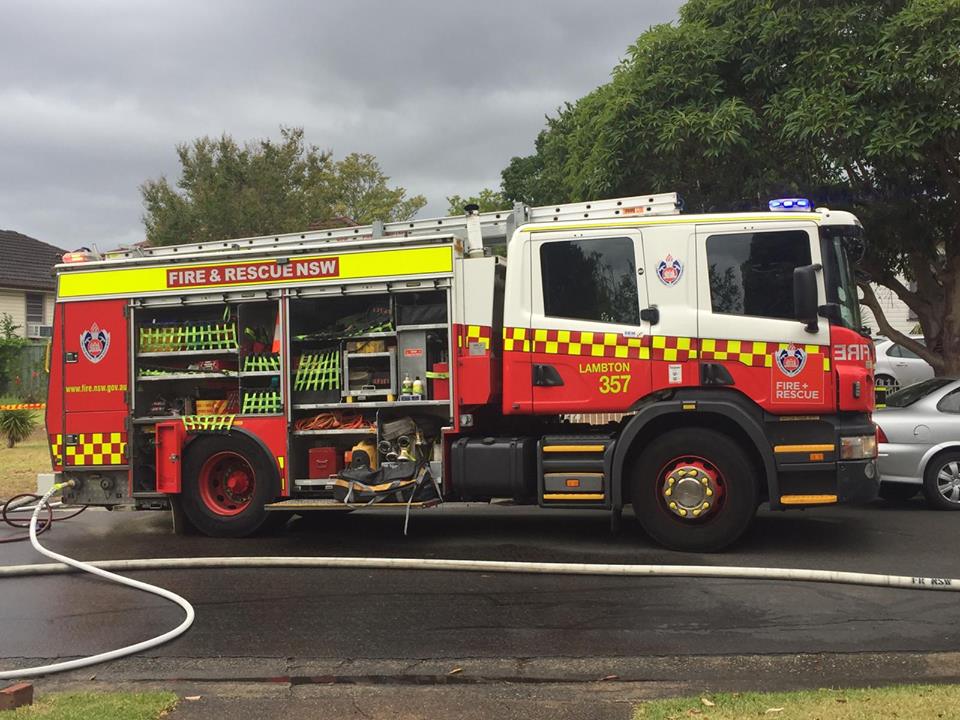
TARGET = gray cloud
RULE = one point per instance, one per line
(95, 95)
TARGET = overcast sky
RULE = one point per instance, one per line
(94, 95)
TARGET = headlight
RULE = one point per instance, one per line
(858, 447)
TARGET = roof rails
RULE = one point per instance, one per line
(496, 226)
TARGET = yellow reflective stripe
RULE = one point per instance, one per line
(803, 448)
(573, 496)
(808, 499)
(573, 448)
(682, 220)
(352, 266)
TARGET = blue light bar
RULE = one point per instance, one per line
(791, 205)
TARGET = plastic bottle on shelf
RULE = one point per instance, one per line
(407, 386)
(417, 386)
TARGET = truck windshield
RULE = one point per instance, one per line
(838, 243)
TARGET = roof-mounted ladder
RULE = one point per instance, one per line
(496, 226)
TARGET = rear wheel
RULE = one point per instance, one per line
(694, 489)
(898, 492)
(941, 481)
(227, 480)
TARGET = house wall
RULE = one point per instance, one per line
(14, 303)
(894, 309)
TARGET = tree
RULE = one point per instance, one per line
(227, 190)
(11, 345)
(487, 199)
(854, 101)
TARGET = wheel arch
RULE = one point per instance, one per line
(722, 415)
(930, 455)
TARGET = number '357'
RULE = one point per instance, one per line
(614, 384)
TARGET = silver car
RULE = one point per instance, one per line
(919, 434)
(898, 367)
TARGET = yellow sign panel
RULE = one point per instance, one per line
(253, 273)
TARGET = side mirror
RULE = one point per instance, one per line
(805, 295)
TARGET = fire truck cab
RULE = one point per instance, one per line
(692, 366)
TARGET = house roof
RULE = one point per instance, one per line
(26, 262)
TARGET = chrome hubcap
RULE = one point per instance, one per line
(948, 482)
(690, 492)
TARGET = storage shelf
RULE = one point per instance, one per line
(180, 353)
(145, 420)
(377, 404)
(188, 376)
(338, 431)
(353, 355)
(258, 373)
(425, 326)
(346, 338)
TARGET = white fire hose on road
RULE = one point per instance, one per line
(104, 568)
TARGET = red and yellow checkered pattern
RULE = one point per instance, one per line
(753, 353)
(595, 344)
(90, 449)
(648, 347)
(470, 334)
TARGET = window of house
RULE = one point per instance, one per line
(590, 280)
(752, 273)
(35, 308)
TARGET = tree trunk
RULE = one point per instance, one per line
(950, 337)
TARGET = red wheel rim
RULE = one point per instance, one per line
(227, 483)
(705, 468)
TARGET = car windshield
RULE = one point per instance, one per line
(911, 394)
(837, 243)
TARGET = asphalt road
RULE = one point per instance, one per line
(393, 614)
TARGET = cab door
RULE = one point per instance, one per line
(589, 346)
(748, 329)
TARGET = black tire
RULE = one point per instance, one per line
(732, 510)
(934, 487)
(246, 517)
(898, 492)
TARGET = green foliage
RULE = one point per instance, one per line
(487, 199)
(230, 190)
(856, 102)
(16, 425)
(98, 706)
(11, 346)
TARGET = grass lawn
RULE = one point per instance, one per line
(916, 702)
(97, 706)
(19, 465)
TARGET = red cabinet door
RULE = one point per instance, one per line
(96, 360)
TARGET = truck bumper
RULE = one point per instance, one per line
(858, 481)
(814, 484)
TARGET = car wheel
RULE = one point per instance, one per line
(898, 492)
(694, 489)
(887, 381)
(227, 480)
(941, 481)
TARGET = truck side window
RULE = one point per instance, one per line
(752, 273)
(590, 280)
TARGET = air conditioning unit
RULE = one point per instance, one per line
(39, 330)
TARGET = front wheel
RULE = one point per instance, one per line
(694, 489)
(941, 481)
(227, 481)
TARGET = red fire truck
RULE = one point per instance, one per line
(692, 366)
